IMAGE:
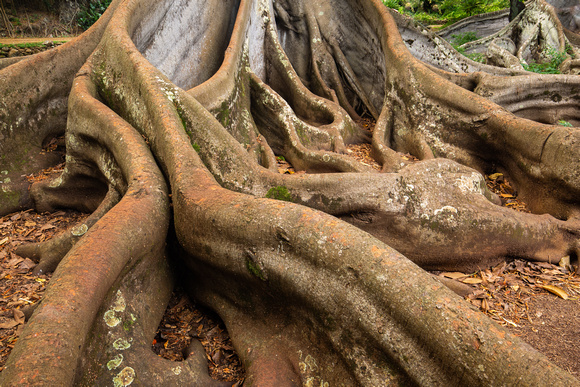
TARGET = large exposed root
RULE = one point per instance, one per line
(48, 254)
(307, 297)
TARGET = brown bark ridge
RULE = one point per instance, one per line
(176, 113)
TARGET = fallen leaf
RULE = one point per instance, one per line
(495, 176)
(454, 275)
(8, 324)
(564, 262)
(27, 264)
(555, 290)
(3, 241)
(472, 281)
(47, 226)
(15, 260)
(19, 316)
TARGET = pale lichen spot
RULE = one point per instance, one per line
(111, 319)
(176, 370)
(326, 158)
(445, 209)
(56, 182)
(316, 382)
(471, 184)
(119, 305)
(125, 377)
(115, 362)
(79, 230)
(121, 344)
(311, 363)
(7, 180)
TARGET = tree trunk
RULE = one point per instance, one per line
(176, 113)
(516, 7)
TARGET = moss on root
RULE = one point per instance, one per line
(279, 193)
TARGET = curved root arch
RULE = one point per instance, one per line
(306, 297)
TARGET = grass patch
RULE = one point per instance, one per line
(28, 45)
(555, 59)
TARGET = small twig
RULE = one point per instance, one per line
(509, 322)
(7, 22)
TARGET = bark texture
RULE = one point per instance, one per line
(176, 113)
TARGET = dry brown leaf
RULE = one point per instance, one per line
(15, 260)
(27, 264)
(8, 324)
(472, 281)
(555, 290)
(19, 316)
(47, 226)
(454, 275)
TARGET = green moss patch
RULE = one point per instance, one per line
(279, 193)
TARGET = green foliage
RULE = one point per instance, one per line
(454, 10)
(461, 39)
(449, 11)
(555, 59)
(28, 45)
(91, 13)
(279, 193)
(565, 123)
(476, 57)
(395, 4)
(14, 20)
(49, 4)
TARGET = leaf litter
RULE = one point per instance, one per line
(538, 301)
(18, 286)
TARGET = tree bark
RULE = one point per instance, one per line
(516, 7)
(176, 113)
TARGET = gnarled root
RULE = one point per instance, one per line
(49, 254)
